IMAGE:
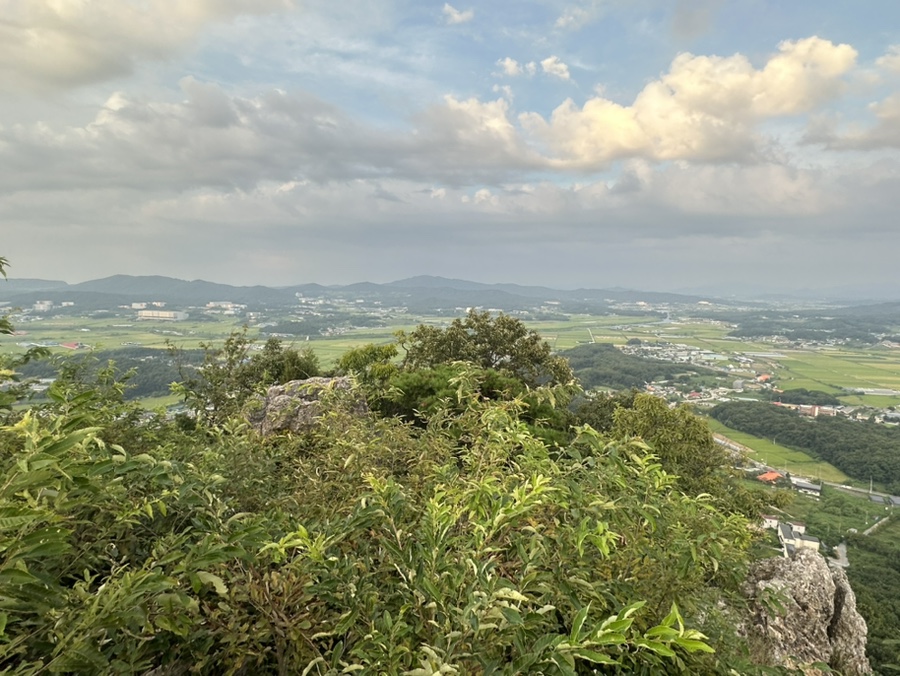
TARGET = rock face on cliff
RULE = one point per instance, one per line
(295, 405)
(803, 612)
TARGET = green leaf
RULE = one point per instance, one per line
(513, 616)
(662, 633)
(656, 646)
(16, 576)
(578, 623)
(692, 645)
(594, 656)
(217, 582)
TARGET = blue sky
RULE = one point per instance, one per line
(646, 143)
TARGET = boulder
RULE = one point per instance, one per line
(803, 612)
(296, 406)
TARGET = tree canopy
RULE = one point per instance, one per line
(502, 343)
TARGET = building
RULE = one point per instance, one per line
(769, 521)
(770, 477)
(806, 487)
(163, 315)
(792, 539)
(42, 306)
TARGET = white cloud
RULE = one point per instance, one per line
(580, 14)
(510, 66)
(455, 16)
(705, 108)
(472, 137)
(885, 133)
(505, 90)
(531, 68)
(891, 60)
(215, 139)
(553, 66)
(67, 43)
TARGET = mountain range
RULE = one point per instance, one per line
(417, 293)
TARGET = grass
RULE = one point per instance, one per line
(835, 513)
(153, 403)
(782, 457)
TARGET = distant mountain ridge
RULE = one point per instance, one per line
(417, 293)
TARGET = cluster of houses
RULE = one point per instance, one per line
(773, 477)
(791, 534)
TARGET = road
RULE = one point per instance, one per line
(841, 560)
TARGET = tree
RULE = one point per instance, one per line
(502, 343)
(230, 374)
(5, 325)
(371, 364)
(277, 364)
(13, 390)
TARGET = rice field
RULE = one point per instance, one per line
(829, 369)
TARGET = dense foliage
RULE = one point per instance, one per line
(469, 545)
(464, 544)
(231, 374)
(150, 372)
(874, 573)
(863, 450)
(604, 365)
(801, 396)
(502, 343)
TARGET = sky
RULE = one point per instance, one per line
(652, 144)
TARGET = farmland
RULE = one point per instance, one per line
(781, 457)
(825, 369)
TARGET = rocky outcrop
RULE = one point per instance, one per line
(296, 406)
(803, 612)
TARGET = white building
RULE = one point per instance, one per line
(163, 315)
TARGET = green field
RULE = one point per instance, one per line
(781, 457)
(827, 369)
(110, 334)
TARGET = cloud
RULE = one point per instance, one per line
(215, 139)
(705, 108)
(510, 66)
(885, 133)
(553, 66)
(468, 138)
(454, 16)
(891, 60)
(578, 15)
(61, 44)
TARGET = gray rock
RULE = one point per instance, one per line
(803, 612)
(296, 405)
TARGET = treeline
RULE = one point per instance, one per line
(604, 365)
(862, 450)
(316, 325)
(146, 372)
(802, 397)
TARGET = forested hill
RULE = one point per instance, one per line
(418, 294)
(863, 450)
(604, 365)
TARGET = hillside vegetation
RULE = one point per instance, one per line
(860, 449)
(468, 521)
(452, 538)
